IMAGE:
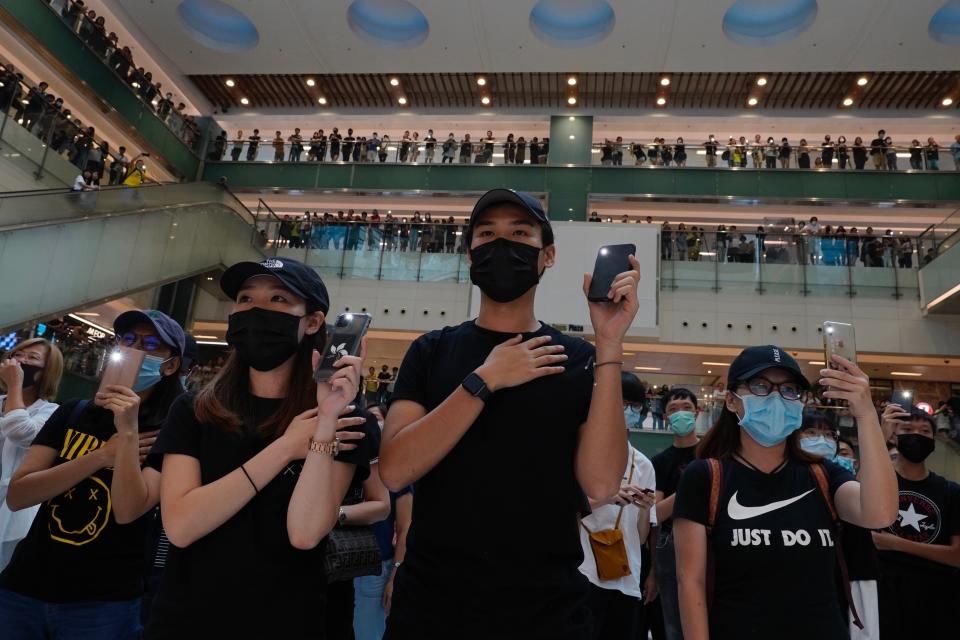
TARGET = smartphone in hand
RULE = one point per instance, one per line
(902, 397)
(344, 340)
(839, 338)
(612, 260)
(121, 367)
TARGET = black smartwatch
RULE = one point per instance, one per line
(476, 387)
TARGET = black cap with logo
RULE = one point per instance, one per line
(754, 360)
(296, 276)
(524, 200)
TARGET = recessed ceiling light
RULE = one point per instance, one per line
(481, 81)
(752, 102)
(761, 81)
(709, 371)
(664, 82)
(717, 364)
(818, 363)
(661, 101)
(573, 117)
(571, 81)
(394, 82)
(244, 101)
(485, 100)
(571, 100)
(322, 100)
(311, 82)
(647, 369)
(230, 83)
(906, 373)
(847, 102)
(402, 100)
(947, 102)
(88, 314)
(861, 82)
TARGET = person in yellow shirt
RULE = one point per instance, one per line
(138, 174)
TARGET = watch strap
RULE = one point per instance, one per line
(476, 387)
(327, 448)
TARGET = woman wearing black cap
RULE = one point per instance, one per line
(920, 551)
(79, 571)
(253, 471)
(761, 508)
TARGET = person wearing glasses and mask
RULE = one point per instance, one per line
(254, 469)
(761, 508)
(819, 437)
(79, 571)
(29, 377)
(634, 398)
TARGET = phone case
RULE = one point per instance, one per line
(344, 340)
(121, 367)
(839, 338)
(903, 398)
(612, 260)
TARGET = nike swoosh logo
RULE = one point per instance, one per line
(737, 511)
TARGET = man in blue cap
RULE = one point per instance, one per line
(492, 407)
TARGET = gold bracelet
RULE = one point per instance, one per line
(329, 448)
(597, 365)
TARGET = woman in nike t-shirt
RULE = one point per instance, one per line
(771, 543)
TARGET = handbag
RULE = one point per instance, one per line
(352, 552)
(609, 550)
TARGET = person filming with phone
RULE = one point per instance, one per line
(496, 405)
(79, 572)
(922, 547)
(254, 470)
(762, 513)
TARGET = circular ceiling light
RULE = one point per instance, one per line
(761, 82)
(571, 100)
(571, 23)
(485, 100)
(322, 100)
(862, 81)
(388, 23)
(847, 102)
(947, 102)
(765, 23)
(218, 26)
(661, 101)
(244, 101)
(230, 83)
(752, 102)
(311, 82)
(481, 81)
(944, 26)
(402, 100)
(572, 81)
(394, 82)
(664, 82)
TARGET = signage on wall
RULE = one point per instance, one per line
(8, 341)
(96, 333)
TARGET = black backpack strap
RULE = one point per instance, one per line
(820, 476)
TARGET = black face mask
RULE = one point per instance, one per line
(504, 269)
(263, 339)
(915, 447)
(30, 374)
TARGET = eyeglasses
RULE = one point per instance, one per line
(147, 343)
(763, 387)
(826, 433)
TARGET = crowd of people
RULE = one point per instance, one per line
(92, 30)
(275, 499)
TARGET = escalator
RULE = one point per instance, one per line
(60, 250)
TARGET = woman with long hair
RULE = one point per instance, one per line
(79, 571)
(29, 377)
(759, 510)
(253, 470)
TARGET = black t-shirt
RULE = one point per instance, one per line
(669, 465)
(772, 548)
(472, 525)
(75, 550)
(244, 579)
(929, 513)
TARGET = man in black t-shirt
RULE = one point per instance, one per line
(496, 406)
(878, 151)
(920, 551)
(384, 378)
(680, 411)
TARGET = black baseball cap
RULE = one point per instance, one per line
(296, 276)
(166, 327)
(754, 360)
(524, 200)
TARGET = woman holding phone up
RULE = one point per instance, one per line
(253, 471)
(79, 571)
(763, 510)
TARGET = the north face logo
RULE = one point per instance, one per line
(272, 263)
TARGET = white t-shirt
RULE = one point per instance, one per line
(79, 183)
(605, 517)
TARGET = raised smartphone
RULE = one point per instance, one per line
(344, 340)
(902, 397)
(839, 338)
(612, 260)
(121, 366)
